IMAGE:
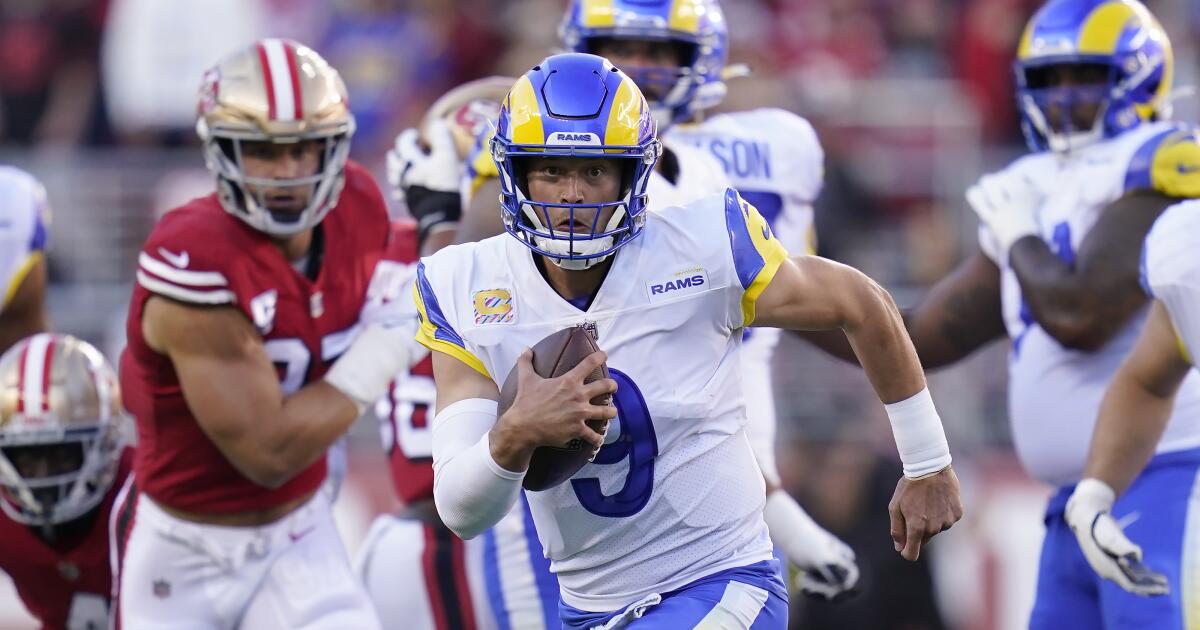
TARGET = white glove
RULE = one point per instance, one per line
(438, 170)
(827, 563)
(1112, 555)
(383, 347)
(1007, 203)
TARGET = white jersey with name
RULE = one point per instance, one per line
(649, 515)
(1054, 391)
(697, 175)
(774, 159)
(1171, 271)
(23, 218)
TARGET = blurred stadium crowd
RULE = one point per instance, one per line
(912, 100)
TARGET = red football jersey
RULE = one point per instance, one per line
(67, 584)
(405, 412)
(201, 254)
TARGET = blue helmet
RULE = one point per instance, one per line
(575, 105)
(1120, 37)
(698, 26)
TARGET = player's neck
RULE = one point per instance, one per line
(68, 535)
(295, 247)
(572, 284)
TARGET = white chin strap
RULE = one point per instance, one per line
(580, 247)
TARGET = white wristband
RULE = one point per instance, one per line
(919, 435)
(373, 359)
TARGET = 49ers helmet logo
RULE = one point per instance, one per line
(210, 85)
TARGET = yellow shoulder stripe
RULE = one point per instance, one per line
(18, 277)
(427, 336)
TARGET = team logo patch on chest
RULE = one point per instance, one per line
(683, 282)
(494, 306)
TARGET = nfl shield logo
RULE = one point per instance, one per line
(162, 589)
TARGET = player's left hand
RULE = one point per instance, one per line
(923, 508)
(1007, 203)
(1110, 552)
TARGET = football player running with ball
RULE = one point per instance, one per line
(675, 50)
(646, 535)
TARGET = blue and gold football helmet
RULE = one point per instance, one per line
(575, 105)
(1118, 37)
(697, 26)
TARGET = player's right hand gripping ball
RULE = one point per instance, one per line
(554, 356)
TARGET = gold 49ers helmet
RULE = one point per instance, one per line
(280, 91)
(62, 429)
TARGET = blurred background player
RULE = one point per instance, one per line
(245, 301)
(575, 147)
(418, 573)
(1133, 418)
(63, 459)
(23, 218)
(1058, 271)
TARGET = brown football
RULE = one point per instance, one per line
(554, 356)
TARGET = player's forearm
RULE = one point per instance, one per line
(288, 442)
(471, 490)
(960, 314)
(876, 332)
(1132, 420)
(1059, 297)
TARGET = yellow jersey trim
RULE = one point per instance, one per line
(427, 336)
(18, 278)
(773, 255)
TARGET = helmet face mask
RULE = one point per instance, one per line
(1067, 102)
(575, 107)
(576, 235)
(255, 199)
(1087, 70)
(59, 454)
(279, 92)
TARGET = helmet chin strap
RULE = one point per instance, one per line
(571, 249)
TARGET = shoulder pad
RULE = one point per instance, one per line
(1168, 255)
(1169, 162)
(186, 256)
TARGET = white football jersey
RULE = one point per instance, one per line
(23, 218)
(1171, 271)
(649, 515)
(698, 176)
(774, 159)
(1055, 392)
